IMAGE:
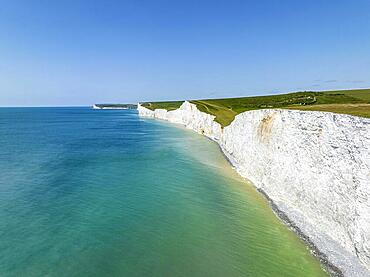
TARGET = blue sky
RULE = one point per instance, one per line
(84, 52)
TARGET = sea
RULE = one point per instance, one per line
(88, 192)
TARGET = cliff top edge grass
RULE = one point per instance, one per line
(168, 105)
(352, 102)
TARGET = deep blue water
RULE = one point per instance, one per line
(104, 193)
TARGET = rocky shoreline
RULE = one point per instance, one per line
(329, 267)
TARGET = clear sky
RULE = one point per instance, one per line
(83, 52)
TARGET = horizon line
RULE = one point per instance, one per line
(237, 96)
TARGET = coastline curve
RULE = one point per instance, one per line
(313, 168)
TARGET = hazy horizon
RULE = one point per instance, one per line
(77, 53)
(164, 100)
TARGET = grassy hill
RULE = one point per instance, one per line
(354, 102)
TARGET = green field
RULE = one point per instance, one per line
(169, 105)
(353, 102)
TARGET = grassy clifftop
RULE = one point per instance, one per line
(353, 102)
(169, 105)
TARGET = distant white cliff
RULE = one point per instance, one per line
(102, 107)
(115, 106)
(313, 166)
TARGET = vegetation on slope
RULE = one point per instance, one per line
(354, 102)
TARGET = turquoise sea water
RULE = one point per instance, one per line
(104, 193)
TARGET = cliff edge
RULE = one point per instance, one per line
(313, 166)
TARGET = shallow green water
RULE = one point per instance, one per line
(105, 193)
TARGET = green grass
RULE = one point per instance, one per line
(363, 94)
(362, 110)
(354, 102)
(169, 105)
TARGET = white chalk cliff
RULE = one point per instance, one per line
(314, 166)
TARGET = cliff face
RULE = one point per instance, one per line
(314, 166)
